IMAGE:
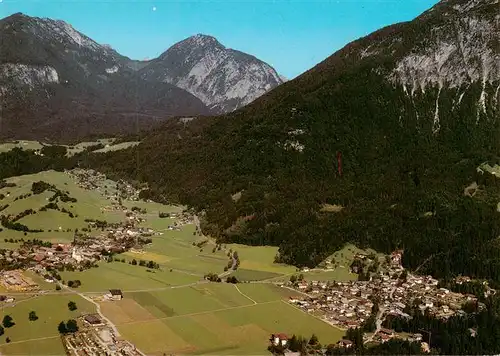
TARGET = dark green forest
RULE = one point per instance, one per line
(393, 174)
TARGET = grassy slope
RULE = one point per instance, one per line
(88, 206)
(72, 150)
(119, 146)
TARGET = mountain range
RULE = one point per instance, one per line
(56, 82)
(372, 146)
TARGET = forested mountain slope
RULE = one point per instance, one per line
(409, 112)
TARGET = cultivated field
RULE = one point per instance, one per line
(118, 275)
(212, 318)
(171, 309)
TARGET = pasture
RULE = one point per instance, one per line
(25, 145)
(26, 335)
(72, 149)
(57, 226)
(119, 146)
(118, 275)
(212, 318)
(166, 310)
(79, 147)
(260, 258)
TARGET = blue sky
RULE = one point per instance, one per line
(292, 35)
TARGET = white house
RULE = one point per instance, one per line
(279, 339)
(76, 256)
(345, 343)
(115, 294)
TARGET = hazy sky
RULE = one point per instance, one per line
(291, 35)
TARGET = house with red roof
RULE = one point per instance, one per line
(279, 339)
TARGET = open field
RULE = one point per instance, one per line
(265, 292)
(43, 346)
(119, 146)
(338, 274)
(170, 309)
(88, 206)
(212, 319)
(8, 245)
(260, 258)
(51, 310)
(72, 150)
(174, 249)
(345, 256)
(244, 275)
(25, 145)
(117, 275)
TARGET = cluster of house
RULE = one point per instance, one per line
(90, 179)
(348, 304)
(181, 219)
(84, 251)
(339, 303)
(95, 337)
(283, 340)
(81, 253)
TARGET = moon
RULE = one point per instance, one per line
(154, 7)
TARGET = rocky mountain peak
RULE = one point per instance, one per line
(46, 29)
(193, 48)
(201, 40)
(224, 79)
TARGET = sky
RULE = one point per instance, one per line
(290, 35)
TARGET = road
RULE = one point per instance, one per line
(228, 272)
(380, 317)
(243, 294)
(98, 307)
(70, 291)
(29, 340)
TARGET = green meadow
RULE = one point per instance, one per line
(213, 319)
(167, 310)
(71, 149)
(25, 145)
(57, 226)
(119, 146)
(25, 335)
(118, 275)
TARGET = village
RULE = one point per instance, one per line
(350, 304)
(85, 250)
(82, 253)
(98, 241)
(387, 289)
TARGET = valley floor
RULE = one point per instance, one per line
(169, 309)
